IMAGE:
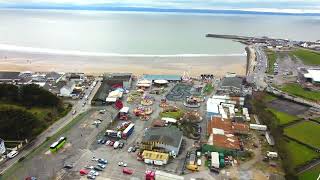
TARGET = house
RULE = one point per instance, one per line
(156, 158)
(2, 147)
(66, 91)
(9, 77)
(162, 139)
(231, 85)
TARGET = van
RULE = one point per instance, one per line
(12, 154)
(199, 162)
(116, 144)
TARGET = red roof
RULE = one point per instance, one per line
(226, 142)
(227, 126)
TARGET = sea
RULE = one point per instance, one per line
(104, 33)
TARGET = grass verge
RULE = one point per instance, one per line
(271, 55)
(283, 117)
(306, 56)
(297, 90)
(313, 173)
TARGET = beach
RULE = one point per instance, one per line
(193, 64)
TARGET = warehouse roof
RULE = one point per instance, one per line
(6, 75)
(226, 125)
(155, 155)
(167, 135)
(153, 77)
(231, 81)
(313, 74)
(227, 141)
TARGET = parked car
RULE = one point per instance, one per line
(68, 166)
(121, 163)
(103, 141)
(127, 171)
(89, 176)
(108, 142)
(89, 167)
(134, 149)
(97, 168)
(30, 178)
(94, 173)
(83, 172)
(102, 166)
(102, 161)
(130, 149)
(111, 143)
(74, 112)
(12, 154)
(121, 145)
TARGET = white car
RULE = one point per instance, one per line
(130, 149)
(12, 154)
(94, 173)
(122, 164)
(74, 112)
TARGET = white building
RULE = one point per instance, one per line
(313, 75)
(67, 90)
(2, 147)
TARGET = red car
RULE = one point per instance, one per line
(83, 172)
(111, 143)
(127, 171)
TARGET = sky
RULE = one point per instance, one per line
(286, 6)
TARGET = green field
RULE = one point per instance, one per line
(306, 132)
(208, 89)
(310, 174)
(269, 97)
(307, 57)
(297, 90)
(271, 55)
(176, 115)
(283, 117)
(298, 154)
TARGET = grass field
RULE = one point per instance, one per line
(208, 89)
(306, 132)
(297, 90)
(317, 119)
(271, 55)
(176, 115)
(310, 174)
(298, 154)
(269, 97)
(307, 57)
(283, 117)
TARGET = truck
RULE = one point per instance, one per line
(113, 133)
(128, 131)
(215, 160)
(272, 154)
(258, 127)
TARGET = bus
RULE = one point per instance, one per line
(58, 144)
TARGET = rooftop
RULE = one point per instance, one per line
(226, 141)
(167, 135)
(227, 126)
(6, 75)
(231, 81)
(313, 74)
(153, 77)
(155, 155)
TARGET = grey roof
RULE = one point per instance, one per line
(168, 135)
(69, 85)
(117, 76)
(9, 75)
(232, 81)
(102, 92)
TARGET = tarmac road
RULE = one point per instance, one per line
(54, 128)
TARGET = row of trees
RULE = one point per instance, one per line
(28, 95)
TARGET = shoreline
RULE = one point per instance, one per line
(194, 65)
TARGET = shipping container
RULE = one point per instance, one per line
(258, 127)
(215, 159)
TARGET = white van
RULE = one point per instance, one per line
(12, 154)
(116, 144)
(199, 162)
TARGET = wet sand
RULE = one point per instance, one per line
(217, 65)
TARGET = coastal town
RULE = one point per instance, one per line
(173, 126)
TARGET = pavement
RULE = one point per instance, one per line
(54, 128)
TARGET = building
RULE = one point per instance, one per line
(122, 79)
(162, 139)
(313, 76)
(66, 91)
(156, 158)
(9, 77)
(169, 78)
(231, 85)
(100, 97)
(227, 126)
(2, 147)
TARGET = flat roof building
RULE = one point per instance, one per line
(313, 75)
(157, 158)
(9, 77)
(153, 77)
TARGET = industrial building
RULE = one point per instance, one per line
(66, 91)
(231, 84)
(9, 77)
(313, 76)
(169, 78)
(162, 139)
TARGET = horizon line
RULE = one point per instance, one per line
(162, 10)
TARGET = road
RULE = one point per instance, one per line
(257, 77)
(54, 128)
